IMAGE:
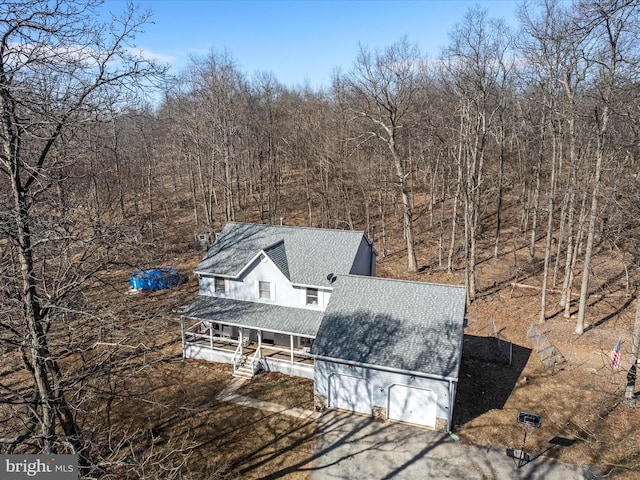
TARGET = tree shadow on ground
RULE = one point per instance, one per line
(363, 336)
(485, 385)
(343, 436)
(618, 309)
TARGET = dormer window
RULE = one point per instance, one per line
(312, 296)
(219, 285)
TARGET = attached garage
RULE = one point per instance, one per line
(412, 405)
(350, 393)
(390, 349)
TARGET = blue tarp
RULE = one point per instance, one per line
(159, 278)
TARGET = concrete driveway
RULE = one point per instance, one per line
(356, 447)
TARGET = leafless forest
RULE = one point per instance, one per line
(507, 139)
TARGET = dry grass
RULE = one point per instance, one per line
(583, 420)
(152, 410)
(275, 387)
(170, 407)
(150, 404)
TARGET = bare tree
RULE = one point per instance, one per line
(475, 66)
(611, 31)
(629, 394)
(383, 91)
(549, 40)
(56, 65)
(265, 119)
(208, 110)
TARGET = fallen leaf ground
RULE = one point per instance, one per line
(162, 408)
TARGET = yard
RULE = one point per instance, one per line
(170, 404)
(155, 415)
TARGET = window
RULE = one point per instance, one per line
(312, 296)
(264, 290)
(219, 285)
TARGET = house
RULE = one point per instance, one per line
(263, 291)
(306, 302)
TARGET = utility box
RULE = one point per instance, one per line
(202, 240)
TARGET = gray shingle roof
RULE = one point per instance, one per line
(264, 316)
(278, 255)
(309, 254)
(403, 325)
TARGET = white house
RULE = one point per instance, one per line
(306, 302)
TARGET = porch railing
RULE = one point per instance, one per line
(202, 332)
(237, 355)
(254, 360)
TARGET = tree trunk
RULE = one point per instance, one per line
(568, 273)
(574, 259)
(441, 222)
(496, 246)
(536, 192)
(454, 219)
(412, 265)
(547, 251)
(588, 253)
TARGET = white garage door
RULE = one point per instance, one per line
(413, 405)
(350, 393)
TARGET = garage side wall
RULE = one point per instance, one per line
(379, 382)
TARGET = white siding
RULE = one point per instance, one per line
(205, 353)
(350, 393)
(381, 382)
(283, 292)
(323, 298)
(207, 286)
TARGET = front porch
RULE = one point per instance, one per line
(249, 350)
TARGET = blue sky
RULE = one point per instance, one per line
(299, 41)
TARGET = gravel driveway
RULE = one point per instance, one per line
(356, 447)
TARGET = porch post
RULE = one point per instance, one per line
(211, 335)
(259, 343)
(241, 340)
(291, 345)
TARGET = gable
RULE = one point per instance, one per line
(262, 267)
(410, 326)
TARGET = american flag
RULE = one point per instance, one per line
(616, 359)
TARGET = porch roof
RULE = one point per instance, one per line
(260, 316)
